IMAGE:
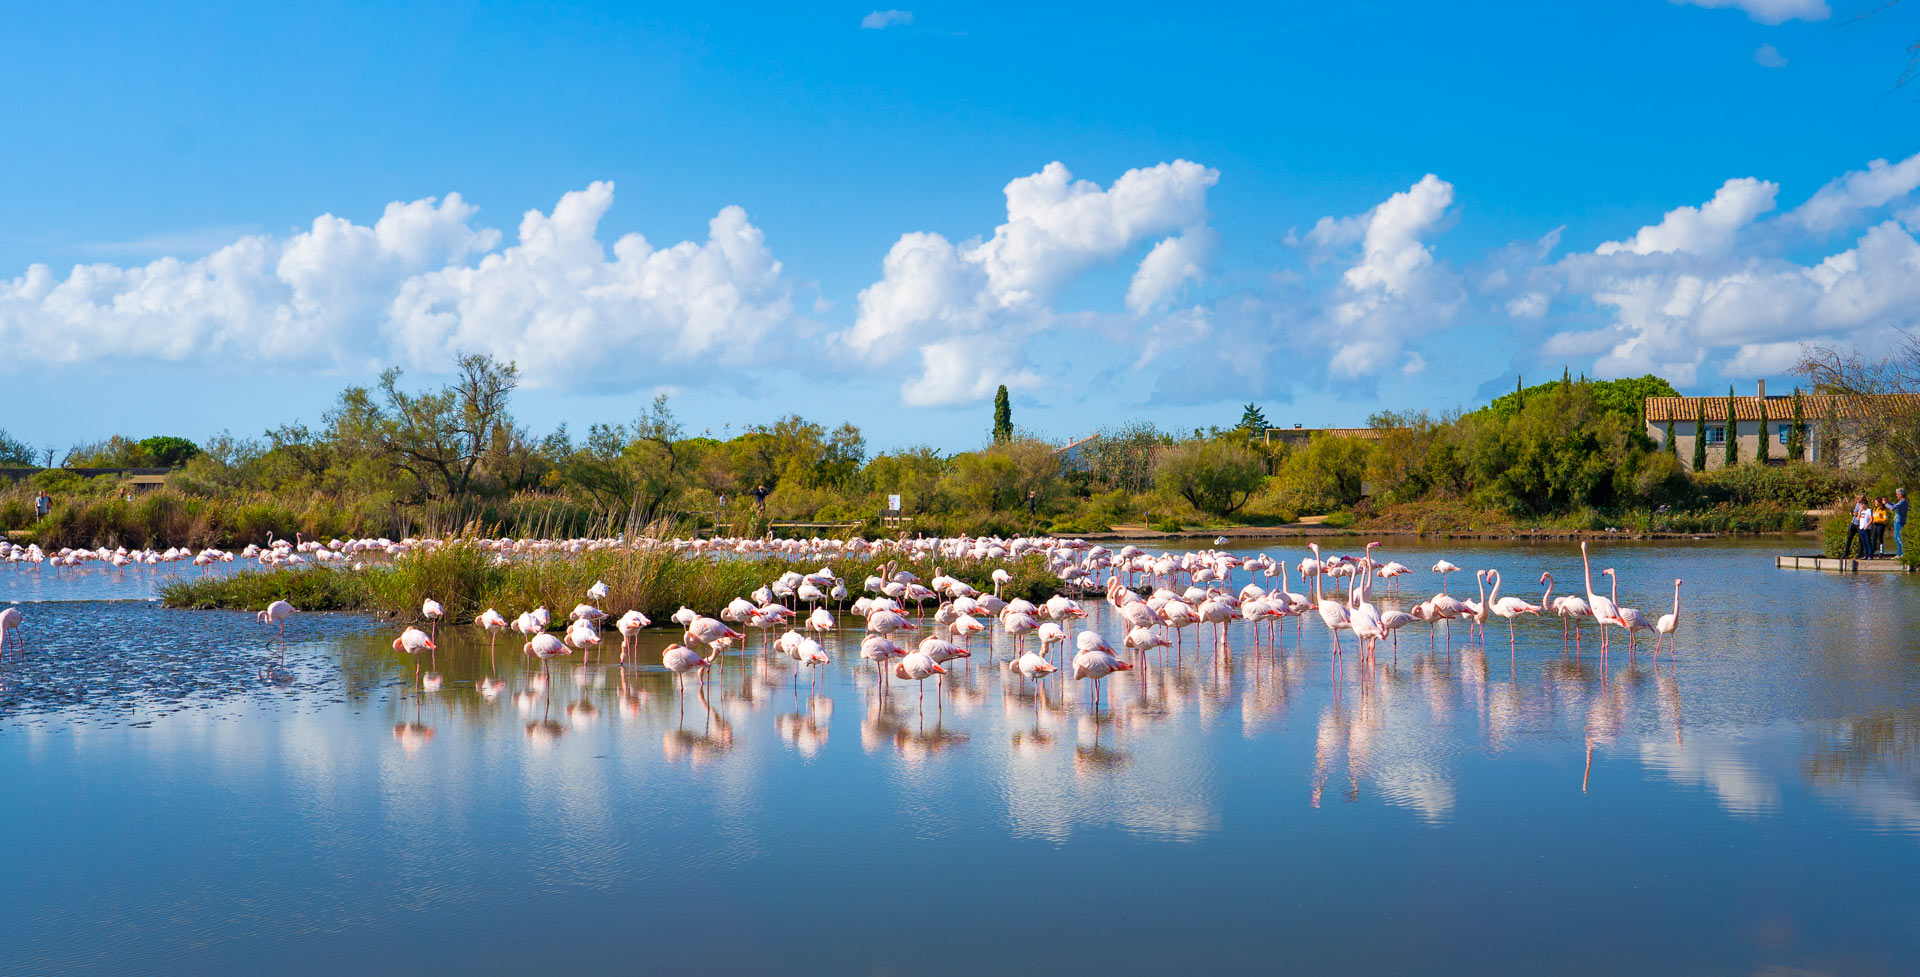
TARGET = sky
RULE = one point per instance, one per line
(214, 219)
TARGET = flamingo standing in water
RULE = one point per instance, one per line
(413, 641)
(1332, 613)
(918, 667)
(10, 628)
(433, 612)
(680, 659)
(629, 625)
(1443, 568)
(493, 622)
(276, 614)
(1604, 611)
(1631, 620)
(1570, 607)
(1096, 661)
(1508, 607)
(1668, 624)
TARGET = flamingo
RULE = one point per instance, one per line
(1443, 568)
(679, 659)
(433, 612)
(1333, 614)
(275, 614)
(10, 628)
(1031, 666)
(1668, 624)
(1508, 607)
(493, 622)
(1604, 611)
(918, 667)
(413, 641)
(629, 625)
(1096, 661)
(1631, 620)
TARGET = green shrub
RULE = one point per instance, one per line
(1167, 524)
(1833, 533)
(1339, 520)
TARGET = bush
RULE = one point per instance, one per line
(1168, 524)
(1833, 534)
(1339, 520)
(1215, 477)
(1801, 486)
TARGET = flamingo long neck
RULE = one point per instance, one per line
(1546, 599)
(1494, 598)
(1587, 565)
(1615, 596)
(1317, 597)
(1481, 579)
(1676, 600)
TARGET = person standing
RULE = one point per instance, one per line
(1879, 546)
(1857, 525)
(43, 504)
(1899, 522)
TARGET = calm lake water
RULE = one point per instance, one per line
(177, 801)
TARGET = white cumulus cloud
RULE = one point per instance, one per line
(314, 295)
(1167, 268)
(1768, 56)
(1771, 11)
(420, 283)
(966, 311)
(1858, 192)
(880, 20)
(1707, 229)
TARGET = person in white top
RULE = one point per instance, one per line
(1859, 527)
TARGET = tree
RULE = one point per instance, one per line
(1797, 433)
(1217, 477)
(1733, 435)
(1253, 420)
(167, 451)
(1672, 448)
(1860, 416)
(441, 436)
(1002, 416)
(14, 451)
(1700, 437)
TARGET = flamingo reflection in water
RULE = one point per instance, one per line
(715, 738)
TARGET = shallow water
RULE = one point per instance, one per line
(181, 801)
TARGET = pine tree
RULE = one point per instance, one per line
(1253, 420)
(1797, 434)
(1672, 449)
(1519, 393)
(1733, 438)
(1002, 416)
(1700, 437)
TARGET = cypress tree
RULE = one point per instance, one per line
(1733, 439)
(1765, 444)
(1002, 416)
(1797, 434)
(1672, 449)
(1700, 437)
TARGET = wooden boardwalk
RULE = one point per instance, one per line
(1840, 566)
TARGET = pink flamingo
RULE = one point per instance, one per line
(1668, 624)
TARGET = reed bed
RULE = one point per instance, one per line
(467, 580)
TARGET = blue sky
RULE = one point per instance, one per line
(1324, 209)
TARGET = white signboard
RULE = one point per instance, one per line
(893, 503)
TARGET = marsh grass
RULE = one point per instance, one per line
(466, 580)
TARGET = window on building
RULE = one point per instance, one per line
(1784, 428)
(1716, 434)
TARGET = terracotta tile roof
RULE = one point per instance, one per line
(1812, 406)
